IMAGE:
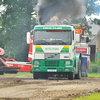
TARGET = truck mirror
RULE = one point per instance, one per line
(87, 39)
(77, 37)
(28, 37)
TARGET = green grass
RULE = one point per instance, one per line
(20, 73)
(26, 73)
(95, 63)
(93, 75)
(94, 96)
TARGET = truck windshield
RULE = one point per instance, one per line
(52, 37)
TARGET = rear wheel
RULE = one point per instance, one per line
(71, 76)
(86, 72)
(1, 73)
(1, 64)
(15, 72)
(88, 65)
(79, 75)
(12, 72)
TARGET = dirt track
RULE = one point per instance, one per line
(14, 87)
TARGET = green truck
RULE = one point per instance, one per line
(54, 52)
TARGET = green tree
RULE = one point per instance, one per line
(16, 22)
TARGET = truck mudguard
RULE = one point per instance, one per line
(77, 55)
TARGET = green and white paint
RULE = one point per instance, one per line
(54, 58)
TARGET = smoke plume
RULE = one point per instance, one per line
(63, 9)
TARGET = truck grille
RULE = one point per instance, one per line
(52, 56)
(52, 63)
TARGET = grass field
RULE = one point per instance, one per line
(93, 75)
(94, 96)
(20, 73)
(26, 73)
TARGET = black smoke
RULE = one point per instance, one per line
(63, 9)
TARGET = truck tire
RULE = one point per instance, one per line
(36, 75)
(11, 72)
(14, 72)
(1, 73)
(44, 75)
(71, 76)
(79, 75)
(88, 65)
(87, 72)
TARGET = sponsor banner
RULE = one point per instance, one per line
(82, 50)
(79, 31)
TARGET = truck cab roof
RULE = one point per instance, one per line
(54, 27)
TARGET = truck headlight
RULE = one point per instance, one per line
(36, 65)
(36, 62)
(67, 62)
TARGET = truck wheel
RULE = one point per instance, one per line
(71, 76)
(1, 73)
(86, 72)
(15, 72)
(79, 75)
(12, 72)
(35, 75)
(44, 75)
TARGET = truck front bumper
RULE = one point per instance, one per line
(52, 69)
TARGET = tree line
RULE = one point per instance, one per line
(16, 21)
